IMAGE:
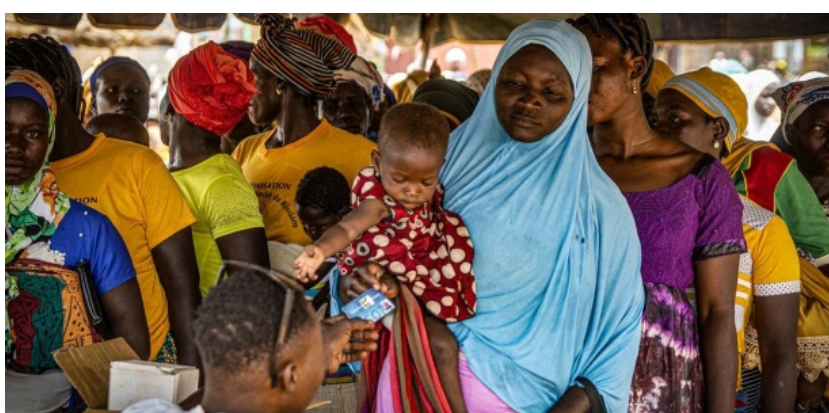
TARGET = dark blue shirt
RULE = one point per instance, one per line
(87, 235)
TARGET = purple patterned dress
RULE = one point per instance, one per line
(696, 218)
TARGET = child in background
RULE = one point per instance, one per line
(322, 200)
(399, 222)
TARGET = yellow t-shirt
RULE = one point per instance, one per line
(275, 173)
(223, 203)
(771, 266)
(131, 186)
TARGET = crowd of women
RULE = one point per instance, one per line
(638, 244)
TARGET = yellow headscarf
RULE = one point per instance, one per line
(404, 91)
(661, 74)
(717, 95)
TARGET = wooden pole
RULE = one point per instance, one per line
(428, 27)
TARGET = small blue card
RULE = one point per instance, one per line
(371, 305)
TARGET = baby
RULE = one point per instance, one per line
(398, 221)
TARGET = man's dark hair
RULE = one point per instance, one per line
(239, 321)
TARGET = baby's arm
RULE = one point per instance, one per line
(368, 214)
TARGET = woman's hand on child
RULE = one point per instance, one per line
(348, 340)
(307, 262)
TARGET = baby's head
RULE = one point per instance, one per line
(411, 149)
(119, 126)
(322, 199)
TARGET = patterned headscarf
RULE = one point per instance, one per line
(211, 88)
(796, 97)
(364, 75)
(717, 95)
(303, 58)
(35, 208)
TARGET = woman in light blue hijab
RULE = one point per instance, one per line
(557, 257)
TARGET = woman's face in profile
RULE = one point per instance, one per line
(266, 104)
(533, 94)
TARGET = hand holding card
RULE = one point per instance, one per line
(371, 305)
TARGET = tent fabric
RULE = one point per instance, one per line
(126, 20)
(481, 27)
(198, 22)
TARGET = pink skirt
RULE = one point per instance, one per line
(478, 397)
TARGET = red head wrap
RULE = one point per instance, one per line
(211, 88)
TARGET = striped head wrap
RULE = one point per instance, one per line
(328, 28)
(303, 58)
(717, 95)
(796, 97)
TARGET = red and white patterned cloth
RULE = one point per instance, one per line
(428, 249)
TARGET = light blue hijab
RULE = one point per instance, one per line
(557, 256)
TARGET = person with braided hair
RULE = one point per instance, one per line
(131, 186)
(294, 71)
(688, 217)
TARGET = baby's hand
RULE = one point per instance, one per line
(307, 262)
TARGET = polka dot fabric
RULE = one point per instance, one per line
(428, 249)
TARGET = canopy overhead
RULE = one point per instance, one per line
(481, 27)
(94, 31)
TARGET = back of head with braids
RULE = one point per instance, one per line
(49, 59)
(630, 30)
(238, 324)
